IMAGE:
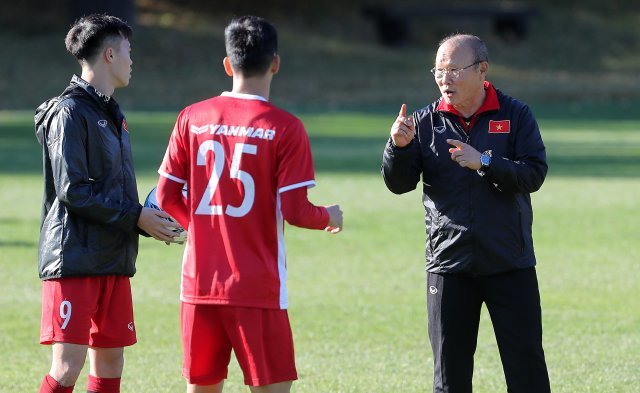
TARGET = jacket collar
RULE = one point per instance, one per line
(106, 103)
(95, 94)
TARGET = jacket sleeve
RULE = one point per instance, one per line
(401, 167)
(528, 169)
(67, 141)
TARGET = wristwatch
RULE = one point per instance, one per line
(485, 162)
(485, 159)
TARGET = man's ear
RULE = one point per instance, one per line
(484, 68)
(275, 66)
(226, 63)
(108, 54)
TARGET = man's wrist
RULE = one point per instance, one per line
(485, 162)
(394, 146)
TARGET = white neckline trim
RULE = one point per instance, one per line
(243, 96)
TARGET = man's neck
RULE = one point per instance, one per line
(467, 111)
(254, 86)
(99, 82)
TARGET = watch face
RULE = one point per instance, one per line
(485, 160)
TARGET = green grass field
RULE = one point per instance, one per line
(358, 298)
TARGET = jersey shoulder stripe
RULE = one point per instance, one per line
(308, 184)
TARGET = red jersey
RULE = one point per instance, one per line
(236, 153)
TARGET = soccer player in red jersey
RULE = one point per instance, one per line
(247, 165)
(91, 217)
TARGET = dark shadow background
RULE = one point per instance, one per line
(568, 57)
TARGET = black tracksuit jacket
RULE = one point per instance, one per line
(475, 224)
(90, 204)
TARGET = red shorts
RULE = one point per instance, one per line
(260, 338)
(92, 310)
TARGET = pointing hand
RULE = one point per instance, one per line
(465, 155)
(403, 130)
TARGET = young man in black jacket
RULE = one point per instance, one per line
(480, 155)
(91, 217)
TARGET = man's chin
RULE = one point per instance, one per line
(123, 83)
(448, 99)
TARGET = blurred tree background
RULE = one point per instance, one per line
(572, 55)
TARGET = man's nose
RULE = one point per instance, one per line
(447, 78)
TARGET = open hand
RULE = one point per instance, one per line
(156, 223)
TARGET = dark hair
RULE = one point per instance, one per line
(251, 43)
(89, 33)
(478, 47)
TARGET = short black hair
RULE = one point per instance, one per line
(251, 43)
(88, 34)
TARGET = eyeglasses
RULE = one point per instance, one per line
(454, 72)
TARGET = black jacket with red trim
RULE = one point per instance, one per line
(90, 204)
(475, 224)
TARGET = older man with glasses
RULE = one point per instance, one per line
(480, 155)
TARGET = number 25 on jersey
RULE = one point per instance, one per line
(205, 207)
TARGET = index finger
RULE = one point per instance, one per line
(403, 110)
(161, 213)
(456, 143)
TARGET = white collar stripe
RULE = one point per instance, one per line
(243, 96)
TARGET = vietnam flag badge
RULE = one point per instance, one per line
(499, 126)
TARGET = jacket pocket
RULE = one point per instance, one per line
(75, 231)
(526, 225)
(432, 224)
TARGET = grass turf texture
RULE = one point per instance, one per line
(358, 299)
